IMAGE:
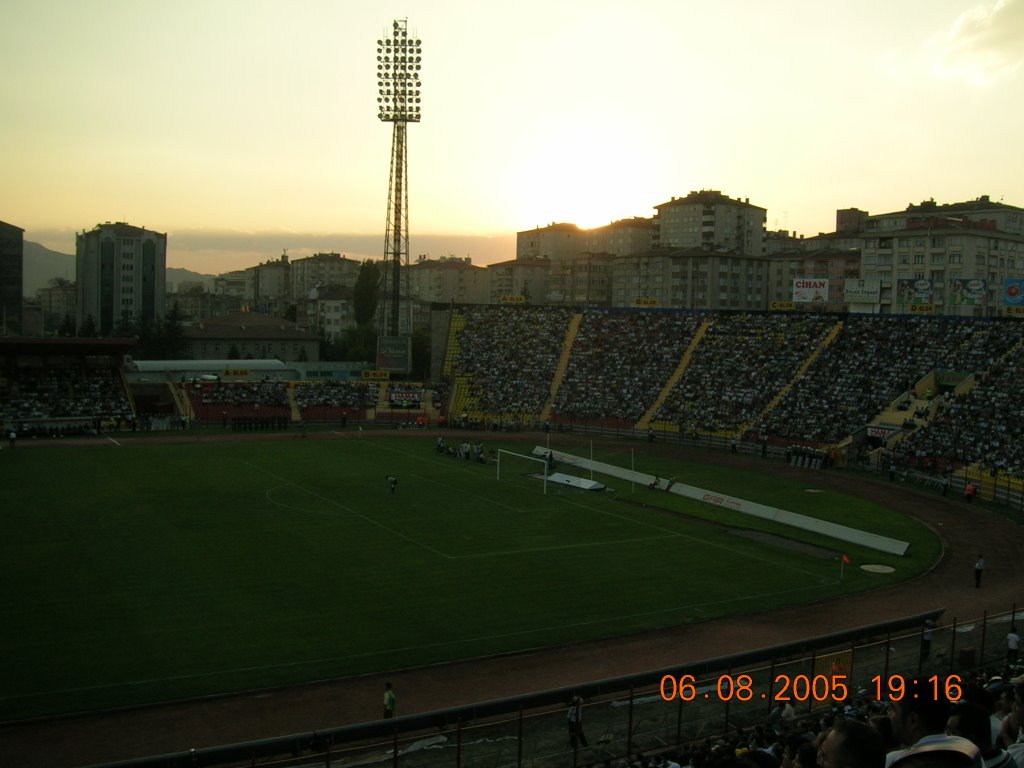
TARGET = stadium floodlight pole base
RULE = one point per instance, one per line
(542, 462)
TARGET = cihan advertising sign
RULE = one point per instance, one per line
(810, 291)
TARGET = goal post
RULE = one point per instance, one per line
(505, 456)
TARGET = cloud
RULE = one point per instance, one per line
(982, 45)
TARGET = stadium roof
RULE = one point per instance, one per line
(175, 366)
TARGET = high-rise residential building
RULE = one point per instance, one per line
(781, 241)
(448, 279)
(57, 302)
(850, 220)
(563, 242)
(12, 258)
(121, 276)
(321, 270)
(691, 278)
(520, 281)
(230, 283)
(947, 259)
(266, 286)
(622, 237)
(555, 242)
(330, 312)
(711, 221)
(583, 281)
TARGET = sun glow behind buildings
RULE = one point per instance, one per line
(261, 118)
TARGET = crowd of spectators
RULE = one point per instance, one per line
(979, 426)
(336, 395)
(982, 728)
(241, 394)
(620, 361)
(738, 367)
(32, 394)
(510, 355)
(873, 361)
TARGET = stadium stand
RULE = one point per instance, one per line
(56, 388)
(742, 362)
(245, 405)
(333, 400)
(509, 355)
(875, 360)
(619, 362)
(976, 427)
(789, 378)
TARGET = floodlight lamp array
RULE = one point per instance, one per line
(398, 78)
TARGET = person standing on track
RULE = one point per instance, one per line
(575, 722)
(1012, 646)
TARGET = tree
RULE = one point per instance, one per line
(359, 344)
(173, 341)
(67, 326)
(124, 328)
(366, 293)
(144, 341)
(88, 329)
(161, 340)
(191, 288)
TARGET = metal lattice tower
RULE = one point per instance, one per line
(398, 100)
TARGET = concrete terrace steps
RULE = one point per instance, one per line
(563, 363)
(824, 344)
(677, 374)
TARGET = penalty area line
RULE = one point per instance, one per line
(113, 440)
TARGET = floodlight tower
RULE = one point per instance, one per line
(398, 100)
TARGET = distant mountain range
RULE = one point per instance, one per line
(41, 265)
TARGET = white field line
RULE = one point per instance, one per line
(576, 500)
(697, 607)
(352, 512)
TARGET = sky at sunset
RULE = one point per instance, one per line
(241, 128)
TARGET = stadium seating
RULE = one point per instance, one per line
(789, 378)
(69, 398)
(332, 400)
(619, 362)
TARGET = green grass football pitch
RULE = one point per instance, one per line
(151, 572)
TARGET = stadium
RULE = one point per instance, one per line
(221, 566)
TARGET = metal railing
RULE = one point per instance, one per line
(654, 712)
